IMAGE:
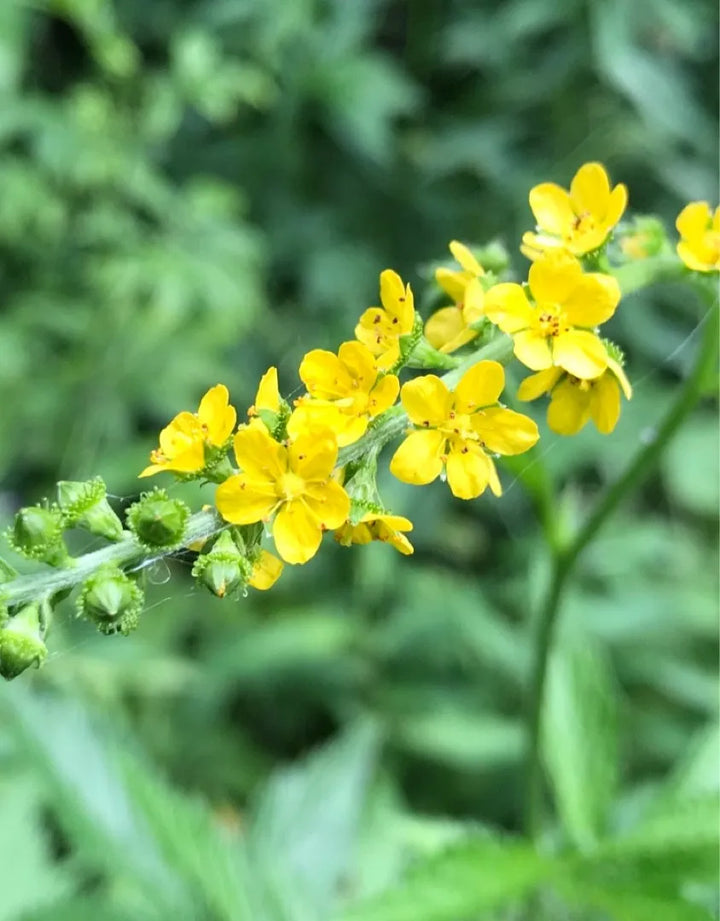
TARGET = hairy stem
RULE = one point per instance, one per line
(564, 556)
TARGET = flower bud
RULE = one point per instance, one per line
(224, 568)
(84, 504)
(157, 521)
(111, 600)
(37, 535)
(21, 642)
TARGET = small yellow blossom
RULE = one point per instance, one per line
(294, 483)
(699, 229)
(380, 328)
(266, 571)
(450, 328)
(573, 401)
(377, 526)
(345, 391)
(578, 221)
(556, 330)
(184, 440)
(456, 430)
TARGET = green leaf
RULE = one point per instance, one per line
(630, 905)
(306, 824)
(28, 878)
(580, 739)
(471, 877)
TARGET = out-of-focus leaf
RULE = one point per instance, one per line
(465, 880)
(306, 825)
(691, 466)
(579, 738)
(28, 877)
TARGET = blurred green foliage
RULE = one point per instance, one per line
(191, 191)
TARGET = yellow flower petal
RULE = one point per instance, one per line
(553, 277)
(383, 395)
(551, 206)
(590, 190)
(266, 571)
(616, 205)
(605, 403)
(268, 392)
(329, 503)
(473, 308)
(693, 220)
(569, 408)
(258, 454)
(360, 364)
(481, 385)
(296, 532)
(452, 283)
(466, 259)
(619, 373)
(507, 307)
(324, 375)
(216, 415)
(536, 385)
(532, 350)
(469, 472)
(444, 326)
(313, 457)
(592, 301)
(504, 431)
(397, 299)
(426, 400)
(418, 459)
(244, 500)
(580, 353)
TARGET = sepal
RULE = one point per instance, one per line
(157, 521)
(21, 641)
(111, 600)
(84, 504)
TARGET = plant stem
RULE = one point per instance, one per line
(47, 583)
(565, 556)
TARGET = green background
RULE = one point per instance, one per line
(192, 191)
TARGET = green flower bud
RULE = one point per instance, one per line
(493, 257)
(37, 535)
(21, 642)
(157, 521)
(224, 568)
(111, 600)
(84, 504)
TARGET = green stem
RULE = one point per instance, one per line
(35, 585)
(565, 557)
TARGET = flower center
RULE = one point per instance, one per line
(550, 321)
(458, 425)
(291, 486)
(583, 223)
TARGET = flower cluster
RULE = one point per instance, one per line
(303, 469)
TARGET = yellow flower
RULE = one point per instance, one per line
(450, 327)
(699, 229)
(456, 430)
(184, 440)
(268, 394)
(266, 571)
(380, 328)
(578, 221)
(292, 482)
(377, 526)
(345, 392)
(556, 329)
(573, 402)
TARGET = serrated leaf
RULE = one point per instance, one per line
(580, 738)
(469, 878)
